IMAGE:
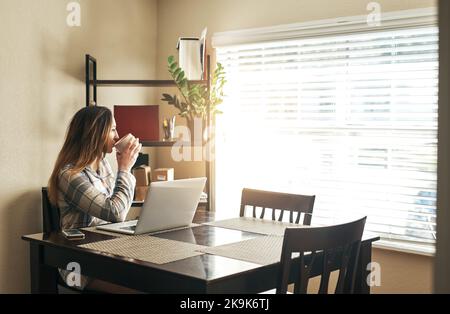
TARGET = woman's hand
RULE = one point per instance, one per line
(127, 158)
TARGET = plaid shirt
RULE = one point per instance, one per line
(89, 198)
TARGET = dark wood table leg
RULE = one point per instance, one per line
(43, 277)
(365, 257)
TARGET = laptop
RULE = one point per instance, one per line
(168, 205)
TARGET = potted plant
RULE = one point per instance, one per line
(194, 101)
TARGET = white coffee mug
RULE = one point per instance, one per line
(122, 144)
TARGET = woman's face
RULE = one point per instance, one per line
(112, 138)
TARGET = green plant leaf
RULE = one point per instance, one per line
(172, 68)
(176, 72)
(167, 97)
(180, 76)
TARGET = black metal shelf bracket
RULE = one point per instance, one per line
(91, 74)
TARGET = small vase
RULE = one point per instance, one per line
(169, 128)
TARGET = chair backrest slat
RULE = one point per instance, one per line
(262, 213)
(280, 218)
(304, 273)
(325, 278)
(346, 255)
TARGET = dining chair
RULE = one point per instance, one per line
(278, 203)
(50, 214)
(51, 223)
(329, 247)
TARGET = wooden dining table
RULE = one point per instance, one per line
(201, 274)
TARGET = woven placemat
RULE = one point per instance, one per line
(114, 234)
(117, 234)
(256, 225)
(263, 250)
(147, 248)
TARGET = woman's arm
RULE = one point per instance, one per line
(80, 193)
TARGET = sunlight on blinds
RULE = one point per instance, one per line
(351, 119)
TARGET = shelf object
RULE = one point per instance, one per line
(157, 143)
(142, 83)
(92, 81)
(164, 143)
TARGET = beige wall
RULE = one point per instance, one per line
(41, 87)
(401, 272)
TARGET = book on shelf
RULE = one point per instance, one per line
(141, 121)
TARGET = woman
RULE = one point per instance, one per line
(82, 184)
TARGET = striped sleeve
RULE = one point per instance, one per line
(81, 194)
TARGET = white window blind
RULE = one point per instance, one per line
(351, 118)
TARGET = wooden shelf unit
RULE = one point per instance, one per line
(92, 81)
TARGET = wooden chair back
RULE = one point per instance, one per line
(331, 247)
(278, 203)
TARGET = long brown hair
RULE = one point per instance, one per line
(86, 140)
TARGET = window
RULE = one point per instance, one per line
(348, 116)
